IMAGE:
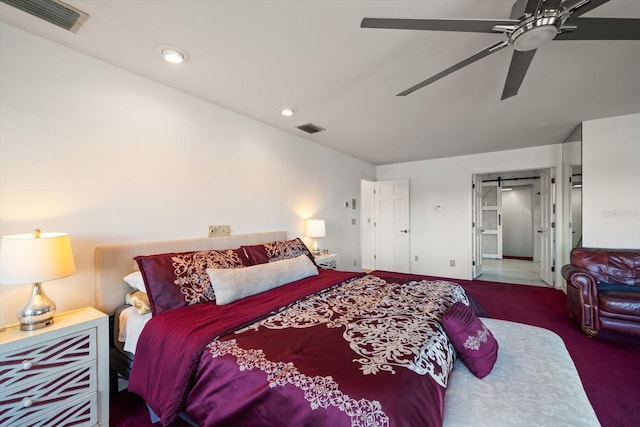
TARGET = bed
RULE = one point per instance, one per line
(328, 348)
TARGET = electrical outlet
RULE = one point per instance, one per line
(452, 263)
(416, 258)
(219, 230)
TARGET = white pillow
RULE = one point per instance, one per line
(135, 281)
(232, 284)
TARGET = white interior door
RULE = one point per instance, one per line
(477, 226)
(547, 226)
(491, 220)
(391, 225)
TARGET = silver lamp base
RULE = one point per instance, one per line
(38, 312)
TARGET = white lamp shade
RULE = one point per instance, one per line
(25, 258)
(315, 228)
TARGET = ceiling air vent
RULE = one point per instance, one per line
(53, 11)
(310, 128)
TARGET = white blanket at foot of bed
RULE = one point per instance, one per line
(533, 383)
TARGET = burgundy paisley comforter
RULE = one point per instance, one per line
(339, 349)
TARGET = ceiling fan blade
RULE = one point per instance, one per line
(568, 4)
(522, 8)
(520, 62)
(532, 6)
(464, 25)
(473, 58)
(552, 4)
(603, 29)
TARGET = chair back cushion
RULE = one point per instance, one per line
(612, 266)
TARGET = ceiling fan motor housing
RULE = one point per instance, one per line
(535, 31)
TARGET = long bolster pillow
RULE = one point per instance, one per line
(235, 283)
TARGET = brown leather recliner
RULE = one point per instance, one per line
(603, 289)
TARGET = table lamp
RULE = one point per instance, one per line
(35, 258)
(315, 229)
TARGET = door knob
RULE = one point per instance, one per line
(404, 231)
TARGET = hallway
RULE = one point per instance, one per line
(511, 271)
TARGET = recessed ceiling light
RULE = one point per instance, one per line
(287, 111)
(172, 54)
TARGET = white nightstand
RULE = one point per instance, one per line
(328, 261)
(58, 375)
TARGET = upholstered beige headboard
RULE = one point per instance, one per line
(113, 262)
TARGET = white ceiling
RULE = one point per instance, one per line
(254, 57)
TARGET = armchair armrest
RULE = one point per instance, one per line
(582, 297)
(582, 280)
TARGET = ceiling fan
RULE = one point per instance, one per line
(532, 23)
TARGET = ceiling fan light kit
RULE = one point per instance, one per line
(533, 24)
(534, 34)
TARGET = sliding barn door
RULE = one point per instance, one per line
(477, 227)
(491, 220)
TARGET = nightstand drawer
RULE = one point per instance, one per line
(33, 399)
(327, 261)
(79, 412)
(40, 361)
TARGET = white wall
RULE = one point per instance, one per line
(109, 157)
(437, 237)
(611, 182)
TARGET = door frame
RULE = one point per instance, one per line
(547, 226)
(367, 236)
(553, 214)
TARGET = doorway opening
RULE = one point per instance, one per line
(575, 206)
(514, 227)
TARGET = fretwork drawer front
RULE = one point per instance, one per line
(58, 375)
(38, 362)
(327, 261)
(33, 398)
(78, 412)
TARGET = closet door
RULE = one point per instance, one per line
(391, 224)
(547, 226)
